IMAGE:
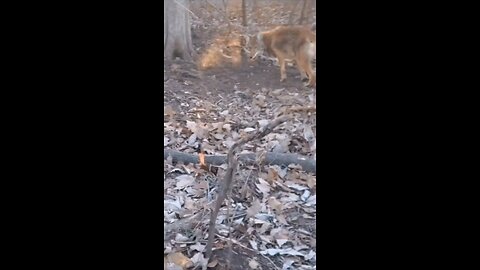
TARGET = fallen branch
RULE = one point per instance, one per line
(308, 164)
(227, 181)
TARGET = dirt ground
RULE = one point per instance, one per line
(184, 78)
(239, 97)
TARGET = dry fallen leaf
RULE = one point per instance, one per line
(310, 255)
(281, 219)
(254, 209)
(197, 247)
(212, 263)
(253, 244)
(199, 260)
(263, 186)
(275, 204)
(272, 176)
(192, 139)
(287, 264)
(179, 259)
(184, 181)
(253, 264)
(263, 123)
(281, 172)
(308, 133)
(165, 141)
(280, 242)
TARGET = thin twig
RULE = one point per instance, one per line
(229, 236)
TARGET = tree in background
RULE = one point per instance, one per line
(177, 36)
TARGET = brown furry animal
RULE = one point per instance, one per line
(287, 43)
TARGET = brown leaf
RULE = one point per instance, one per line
(179, 259)
(275, 204)
(272, 176)
(263, 186)
(254, 209)
(311, 182)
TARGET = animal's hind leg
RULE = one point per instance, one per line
(304, 62)
(283, 73)
(303, 74)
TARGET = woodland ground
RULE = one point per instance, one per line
(270, 219)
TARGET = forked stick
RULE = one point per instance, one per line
(227, 180)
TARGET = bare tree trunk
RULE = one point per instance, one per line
(227, 17)
(244, 12)
(302, 14)
(254, 11)
(314, 11)
(292, 12)
(309, 11)
(177, 36)
(254, 5)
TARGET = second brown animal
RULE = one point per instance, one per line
(287, 43)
